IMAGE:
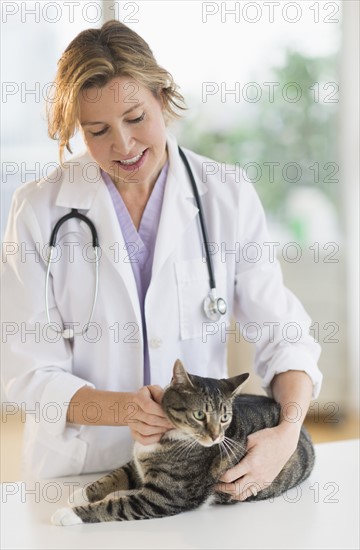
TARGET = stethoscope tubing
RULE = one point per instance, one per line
(69, 333)
(74, 214)
(213, 307)
(202, 221)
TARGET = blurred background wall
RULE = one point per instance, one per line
(271, 87)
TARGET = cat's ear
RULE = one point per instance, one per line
(180, 376)
(237, 382)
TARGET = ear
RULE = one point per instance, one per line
(180, 376)
(237, 382)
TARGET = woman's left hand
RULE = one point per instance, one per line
(268, 451)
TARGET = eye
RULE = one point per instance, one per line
(199, 415)
(99, 133)
(225, 418)
(137, 120)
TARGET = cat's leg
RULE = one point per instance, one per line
(145, 503)
(223, 498)
(121, 479)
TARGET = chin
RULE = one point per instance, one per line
(208, 443)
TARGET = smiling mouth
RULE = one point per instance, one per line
(133, 160)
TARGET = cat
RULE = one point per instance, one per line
(212, 422)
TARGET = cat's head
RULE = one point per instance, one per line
(201, 407)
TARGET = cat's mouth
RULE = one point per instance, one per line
(210, 442)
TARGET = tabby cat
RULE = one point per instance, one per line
(212, 422)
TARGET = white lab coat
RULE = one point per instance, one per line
(42, 371)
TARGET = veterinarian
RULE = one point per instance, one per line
(93, 325)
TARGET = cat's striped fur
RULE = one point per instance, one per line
(179, 473)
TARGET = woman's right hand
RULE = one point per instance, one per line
(146, 419)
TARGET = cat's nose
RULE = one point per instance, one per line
(215, 440)
(214, 434)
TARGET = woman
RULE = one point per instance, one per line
(94, 392)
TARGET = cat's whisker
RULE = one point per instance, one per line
(222, 446)
(234, 441)
(179, 453)
(226, 443)
(190, 446)
(187, 450)
(220, 449)
(235, 444)
(180, 449)
(183, 450)
(238, 451)
(238, 455)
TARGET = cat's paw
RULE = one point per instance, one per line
(78, 498)
(65, 517)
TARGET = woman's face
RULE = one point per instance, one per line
(124, 131)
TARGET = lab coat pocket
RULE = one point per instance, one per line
(64, 459)
(193, 286)
(48, 456)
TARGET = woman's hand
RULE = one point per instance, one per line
(268, 451)
(146, 418)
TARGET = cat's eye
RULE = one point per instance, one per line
(225, 418)
(199, 415)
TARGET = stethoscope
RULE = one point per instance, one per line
(213, 306)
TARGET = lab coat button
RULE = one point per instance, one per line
(155, 343)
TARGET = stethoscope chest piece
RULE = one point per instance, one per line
(214, 307)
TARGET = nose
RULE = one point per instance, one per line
(123, 141)
(214, 434)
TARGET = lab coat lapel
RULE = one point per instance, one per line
(92, 196)
(112, 244)
(179, 208)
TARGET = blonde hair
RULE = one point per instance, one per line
(92, 59)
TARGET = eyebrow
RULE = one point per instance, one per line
(88, 123)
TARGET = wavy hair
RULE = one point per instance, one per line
(92, 59)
